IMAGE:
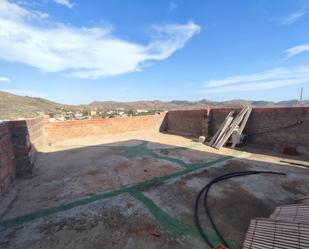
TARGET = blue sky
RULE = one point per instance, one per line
(79, 51)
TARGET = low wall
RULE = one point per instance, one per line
(59, 131)
(265, 127)
(28, 136)
(20, 140)
(7, 166)
(271, 127)
(188, 122)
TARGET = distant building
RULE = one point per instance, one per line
(60, 118)
(93, 112)
(141, 111)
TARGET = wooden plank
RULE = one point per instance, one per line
(242, 127)
(226, 130)
(243, 124)
(223, 130)
(234, 124)
(214, 138)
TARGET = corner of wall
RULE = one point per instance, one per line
(27, 139)
(7, 164)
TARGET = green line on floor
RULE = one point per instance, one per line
(99, 196)
(174, 225)
(141, 150)
(169, 223)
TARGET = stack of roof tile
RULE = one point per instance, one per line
(286, 228)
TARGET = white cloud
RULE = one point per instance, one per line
(4, 80)
(66, 3)
(83, 52)
(274, 78)
(295, 16)
(15, 12)
(297, 50)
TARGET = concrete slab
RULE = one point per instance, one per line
(122, 190)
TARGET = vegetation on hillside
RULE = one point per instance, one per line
(13, 106)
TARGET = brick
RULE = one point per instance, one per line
(7, 167)
(57, 131)
(270, 122)
(23, 166)
(5, 171)
(5, 183)
(203, 122)
(188, 122)
(21, 151)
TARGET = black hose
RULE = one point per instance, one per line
(197, 221)
(206, 189)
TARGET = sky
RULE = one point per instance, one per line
(76, 52)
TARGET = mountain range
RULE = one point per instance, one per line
(14, 106)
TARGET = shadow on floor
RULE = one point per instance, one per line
(161, 178)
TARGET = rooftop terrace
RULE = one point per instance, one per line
(132, 182)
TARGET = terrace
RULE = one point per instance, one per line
(132, 182)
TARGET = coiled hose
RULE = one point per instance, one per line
(206, 190)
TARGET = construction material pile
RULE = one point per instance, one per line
(287, 227)
(231, 127)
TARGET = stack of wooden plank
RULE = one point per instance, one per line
(231, 126)
(287, 227)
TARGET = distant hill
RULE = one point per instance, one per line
(183, 104)
(13, 106)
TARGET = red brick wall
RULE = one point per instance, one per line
(27, 137)
(188, 122)
(270, 122)
(7, 167)
(206, 122)
(57, 131)
(32, 127)
(20, 139)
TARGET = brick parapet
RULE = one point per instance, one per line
(59, 131)
(7, 166)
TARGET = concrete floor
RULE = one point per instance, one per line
(137, 190)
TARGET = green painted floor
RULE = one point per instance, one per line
(169, 223)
